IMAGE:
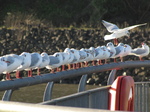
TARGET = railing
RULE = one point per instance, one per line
(89, 98)
(142, 96)
(95, 98)
(27, 107)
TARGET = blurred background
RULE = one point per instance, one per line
(52, 25)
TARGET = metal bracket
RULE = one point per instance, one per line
(48, 91)
(82, 83)
(111, 77)
(7, 95)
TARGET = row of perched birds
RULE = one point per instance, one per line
(71, 57)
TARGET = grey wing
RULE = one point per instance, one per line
(117, 50)
(96, 53)
(138, 51)
(110, 54)
(34, 59)
(110, 26)
(63, 56)
(131, 27)
(10, 59)
(53, 60)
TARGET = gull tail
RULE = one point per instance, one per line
(108, 37)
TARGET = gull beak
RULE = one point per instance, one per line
(142, 43)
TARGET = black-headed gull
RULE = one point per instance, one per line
(119, 51)
(76, 58)
(13, 62)
(36, 60)
(3, 65)
(106, 55)
(44, 63)
(56, 60)
(25, 63)
(71, 57)
(116, 32)
(89, 56)
(98, 52)
(66, 59)
(83, 56)
(141, 52)
(127, 51)
(111, 48)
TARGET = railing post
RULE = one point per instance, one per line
(82, 83)
(48, 91)
(111, 77)
(7, 95)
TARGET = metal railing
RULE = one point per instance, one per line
(142, 96)
(6, 106)
(95, 98)
(38, 79)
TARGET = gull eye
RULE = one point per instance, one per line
(72, 51)
(57, 55)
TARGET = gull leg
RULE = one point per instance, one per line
(81, 65)
(115, 41)
(8, 76)
(93, 63)
(18, 74)
(57, 69)
(86, 64)
(99, 62)
(115, 60)
(141, 58)
(63, 67)
(52, 71)
(38, 71)
(69, 66)
(74, 66)
(105, 61)
(30, 73)
(121, 58)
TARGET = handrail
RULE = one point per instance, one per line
(74, 95)
(28, 107)
(44, 78)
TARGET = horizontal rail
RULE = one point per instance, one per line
(27, 107)
(94, 98)
(44, 78)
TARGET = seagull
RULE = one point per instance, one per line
(97, 55)
(13, 62)
(44, 63)
(119, 51)
(25, 63)
(116, 32)
(71, 57)
(56, 60)
(141, 52)
(127, 50)
(3, 65)
(36, 60)
(111, 48)
(76, 58)
(66, 59)
(83, 56)
(89, 56)
(106, 54)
